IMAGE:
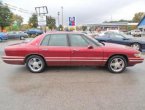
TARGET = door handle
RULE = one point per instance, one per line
(75, 50)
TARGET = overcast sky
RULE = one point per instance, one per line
(86, 11)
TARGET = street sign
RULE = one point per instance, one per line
(72, 21)
(41, 20)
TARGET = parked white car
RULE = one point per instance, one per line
(136, 33)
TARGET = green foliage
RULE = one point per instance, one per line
(84, 28)
(60, 28)
(5, 16)
(33, 23)
(51, 23)
(17, 19)
(138, 16)
(121, 20)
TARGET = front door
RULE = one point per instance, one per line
(84, 52)
(55, 49)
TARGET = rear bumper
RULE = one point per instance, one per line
(17, 60)
(134, 61)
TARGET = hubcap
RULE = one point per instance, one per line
(135, 46)
(117, 64)
(35, 64)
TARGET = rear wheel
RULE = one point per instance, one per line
(35, 64)
(117, 64)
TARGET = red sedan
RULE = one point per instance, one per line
(70, 49)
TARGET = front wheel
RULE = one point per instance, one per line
(35, 64)
(22, 37)
(117, 64)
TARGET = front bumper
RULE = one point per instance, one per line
(134, 61)
(17, 60)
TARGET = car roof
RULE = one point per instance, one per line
(63, 32)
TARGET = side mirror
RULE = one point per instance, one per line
(90, 47)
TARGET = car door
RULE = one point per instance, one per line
(55, 49)
(83, 51)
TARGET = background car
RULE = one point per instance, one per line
(70, 49)
(17, 34)
(3, 36)
(120, 38)
(136, 32)
(34, 31)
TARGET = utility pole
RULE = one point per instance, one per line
(62, 15)
(58, 17)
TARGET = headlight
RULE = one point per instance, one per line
(138, 54)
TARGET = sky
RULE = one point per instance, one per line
(85, 11)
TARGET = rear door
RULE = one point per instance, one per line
(83, 51)
(55, 49)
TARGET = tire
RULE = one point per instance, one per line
(1, 40)
(136, 46)
(35, 64)
(22, 38)
(117, 64)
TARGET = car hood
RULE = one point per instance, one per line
(118, 48)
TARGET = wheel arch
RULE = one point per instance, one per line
(125, 56)
(34, 54)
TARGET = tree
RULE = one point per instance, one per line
(60, 28)
(138, 16)
(84, 28)
(33, 23)
(18, 19)
(5, 16)
(51, 22)
(16, 22)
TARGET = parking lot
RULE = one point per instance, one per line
(70, 88)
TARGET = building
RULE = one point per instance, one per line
(141, 24)
(120, 26)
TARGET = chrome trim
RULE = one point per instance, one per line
(135, 60)
(13, 59)
(76, 60)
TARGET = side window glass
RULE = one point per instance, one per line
(45, 40)
(58, 40)
(118, 36)
(78, 40)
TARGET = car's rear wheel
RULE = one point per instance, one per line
(117, 64)
(136, 46)
(35, 64)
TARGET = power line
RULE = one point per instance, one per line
(15, 8)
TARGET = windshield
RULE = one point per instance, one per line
(94, 41)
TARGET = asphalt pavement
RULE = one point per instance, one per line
(71, 88)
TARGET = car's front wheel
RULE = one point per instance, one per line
(35, 64)
(117, 64)
(22, 37)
